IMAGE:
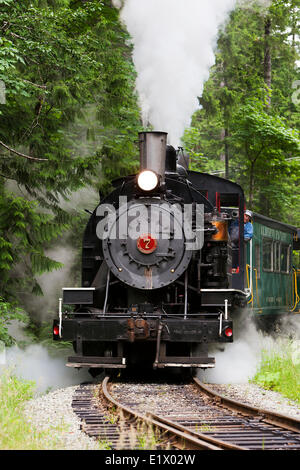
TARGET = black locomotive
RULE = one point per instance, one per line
(160, 278)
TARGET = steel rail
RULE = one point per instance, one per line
(270, 417)
(185, 438)
(219, 445)
(242, 427)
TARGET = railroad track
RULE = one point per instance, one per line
(206, 420)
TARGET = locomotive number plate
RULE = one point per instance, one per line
(146, 244)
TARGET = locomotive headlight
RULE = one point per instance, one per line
(147, 180)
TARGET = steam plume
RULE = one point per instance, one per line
(174, 50)
(174, 43)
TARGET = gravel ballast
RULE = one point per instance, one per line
(253, 395)
(54, 410)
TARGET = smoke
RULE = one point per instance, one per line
(174, 42)
(237, 362)
(45, 307)
(83, 198)
(34, 363)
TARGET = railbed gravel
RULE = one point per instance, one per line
(253, 395)
(146, 398)
(53, 411)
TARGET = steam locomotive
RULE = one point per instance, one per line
(160, 277)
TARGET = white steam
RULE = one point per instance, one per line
(237, 362)
(78, 201)
(35, 364)
(45, 307)
(173, 52)
(174, 42)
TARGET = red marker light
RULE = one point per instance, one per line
(56, 330)
(228, 332)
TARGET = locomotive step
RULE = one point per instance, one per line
(97, 361)
(182, 361)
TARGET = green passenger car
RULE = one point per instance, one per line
(271, 274)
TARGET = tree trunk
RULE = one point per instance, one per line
(251, 185)
(263, 202)
(226, 117)
(268, 60)
(226, 153)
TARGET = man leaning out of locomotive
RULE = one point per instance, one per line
(248, 228)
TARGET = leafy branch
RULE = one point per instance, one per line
(21, 154)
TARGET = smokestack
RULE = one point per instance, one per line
(153, 146)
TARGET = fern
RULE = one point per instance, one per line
(41, 263)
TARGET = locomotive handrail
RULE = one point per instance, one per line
(60, 315)
(251, 288)
(296, 295)
(256, 286)
(106, 291)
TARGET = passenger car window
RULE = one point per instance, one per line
(277, 259)
(267, 254)
(285, 258)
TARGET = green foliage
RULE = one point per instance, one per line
(119, 157)
(8, 313)
(59, 60)
(16, 433)
(263, 144)
(24, 233)
(279, 370)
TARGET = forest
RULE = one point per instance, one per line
(70, 114)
